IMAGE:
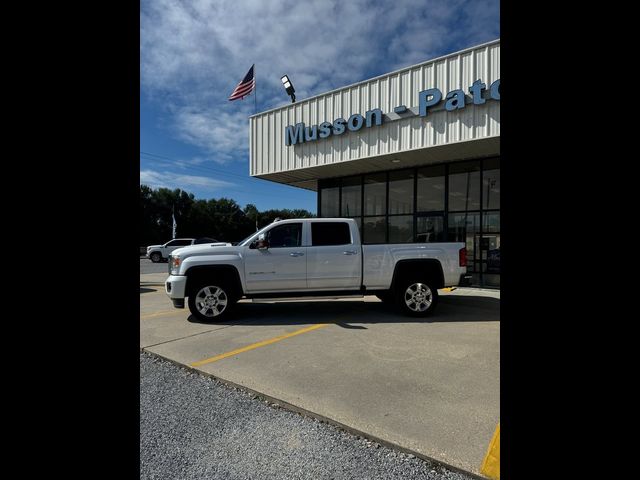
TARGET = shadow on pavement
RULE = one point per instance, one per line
(147, 290)
(346, 313)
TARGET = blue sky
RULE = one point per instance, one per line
(193, 54)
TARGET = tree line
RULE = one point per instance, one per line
(222, 218)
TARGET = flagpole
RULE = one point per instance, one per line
(255, 91)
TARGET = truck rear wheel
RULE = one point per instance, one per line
(416, 298)
(211, 301)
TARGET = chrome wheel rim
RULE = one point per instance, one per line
(211, 301)
(418, 297)
(155, 257)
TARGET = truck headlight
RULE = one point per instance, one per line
(174, 264)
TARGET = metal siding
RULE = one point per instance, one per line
(269, 154)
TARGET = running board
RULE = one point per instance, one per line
(306, 299)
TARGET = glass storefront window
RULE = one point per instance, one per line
(375, 194)
(401, 192)
(330, 199)
(491, 222)
(491, 184)
(401, 229)
(411, 205)
(430, 229)
(351, 196)
(375, 229)
(431, 189)
(464, 186)
(463, 228)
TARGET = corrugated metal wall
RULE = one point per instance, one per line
(270, 154)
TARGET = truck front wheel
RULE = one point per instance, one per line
(156, 257)
(416, 298)
(210, 301)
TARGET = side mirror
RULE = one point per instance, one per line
(262, 244)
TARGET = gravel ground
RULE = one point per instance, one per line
(194, 427)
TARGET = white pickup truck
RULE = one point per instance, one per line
(312, 258)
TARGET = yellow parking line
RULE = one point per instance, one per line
(258, 345)
(157, 314)
(491, 463)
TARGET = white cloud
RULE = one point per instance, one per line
(193, 53)
(173, 180)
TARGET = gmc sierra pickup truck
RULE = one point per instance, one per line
(312, 258)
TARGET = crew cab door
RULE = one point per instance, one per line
(280, 267)
(334, 257)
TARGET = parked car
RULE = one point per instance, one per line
(310, 258)
(160, 253)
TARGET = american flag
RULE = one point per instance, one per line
(245, 87)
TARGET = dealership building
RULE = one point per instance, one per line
(413, 155)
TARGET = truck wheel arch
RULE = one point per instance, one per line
(229, 273)
(428, 268)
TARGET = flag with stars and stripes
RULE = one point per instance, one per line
(245, 87)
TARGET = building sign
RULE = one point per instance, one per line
(427, 100)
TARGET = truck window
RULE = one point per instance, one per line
(179, 243)
(284, 236)
(330, 233)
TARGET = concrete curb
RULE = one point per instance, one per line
(277, 403)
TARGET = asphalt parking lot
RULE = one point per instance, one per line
(430, 387)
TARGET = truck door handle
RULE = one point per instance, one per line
(350, 252)
(296, 254)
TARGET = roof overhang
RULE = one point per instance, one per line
(307, 178)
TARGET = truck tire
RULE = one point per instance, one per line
(155, 257)
(415, 297)
(211, 301)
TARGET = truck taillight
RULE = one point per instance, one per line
(463, 256)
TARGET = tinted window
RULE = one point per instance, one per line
(330, 198)
(330, 233)
(180, 243)
(431, 189)
(288, 235)
(374, 230)
(400, 192)
(491, 184)
(464, 186)
(351, 197)
(375, 194)
(401, 229)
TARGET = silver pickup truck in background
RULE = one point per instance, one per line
(312, 257)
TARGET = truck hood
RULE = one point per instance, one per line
(206, 249)
(153, 246)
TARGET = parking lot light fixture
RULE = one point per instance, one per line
(288, 86)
